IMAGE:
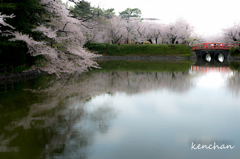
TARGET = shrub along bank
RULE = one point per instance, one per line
(234, 51)
(140, 50)
(13, 53)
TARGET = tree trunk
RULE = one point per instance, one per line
(150, 40)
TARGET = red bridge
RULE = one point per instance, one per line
(212, 46)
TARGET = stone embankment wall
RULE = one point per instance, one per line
(21, 75)
(233, 58)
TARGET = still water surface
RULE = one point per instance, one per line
(123, 112)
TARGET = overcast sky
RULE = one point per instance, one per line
(208, 16)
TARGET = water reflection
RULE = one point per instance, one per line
(5, 142)
(122, 114)
(218, 58)
(233, 84)
(62, 117)
(205, 69)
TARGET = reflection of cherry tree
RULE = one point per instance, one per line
(118, 81)
(102, 115)
(90, 85)
(233, 83)
(68, 120)
(71, 126)
(4, 142)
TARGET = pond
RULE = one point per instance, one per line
(126, 110)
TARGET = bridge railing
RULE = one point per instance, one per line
(223, 46)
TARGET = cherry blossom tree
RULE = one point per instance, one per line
(2, 20)
(92, 35)
(115, 30)
(64, 52)
(232, 33)
(149, 31)
(155, 32)
(195, 38)
(142, 31)
(130, 28)
(180, 30)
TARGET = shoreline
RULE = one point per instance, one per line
(30, 74)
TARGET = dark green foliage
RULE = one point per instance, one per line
(109, 13)
(231, 51)
(85, 12)
(28, 14)
(101, 48)
(20, 69)
(134, 12)
(13, 53)
(133, 49)
(234, 51)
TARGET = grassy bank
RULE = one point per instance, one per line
(140, 50)
(144, 66)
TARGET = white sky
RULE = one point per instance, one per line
(208, 16)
